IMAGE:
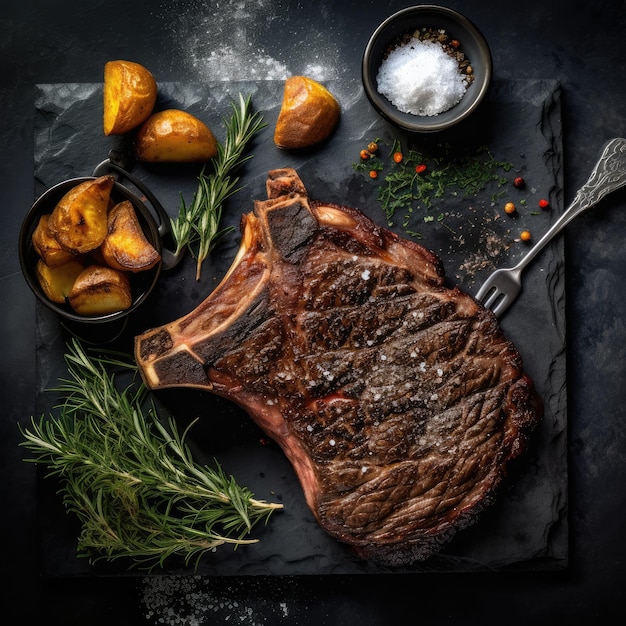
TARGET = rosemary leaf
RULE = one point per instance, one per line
(198, 225)
(131, 480)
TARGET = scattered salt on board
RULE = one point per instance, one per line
(420, 78)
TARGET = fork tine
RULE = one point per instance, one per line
(483, 292)
(489, 296)
(501, 305)
(500, 289)
(494, 296)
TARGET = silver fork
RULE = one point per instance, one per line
(504, 285)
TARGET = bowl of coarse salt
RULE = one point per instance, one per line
(426, 68)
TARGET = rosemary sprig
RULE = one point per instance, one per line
(131, 481)
(199, 223)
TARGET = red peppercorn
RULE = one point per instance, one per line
(373, 174)
(420, 168)
(519, 182)
(544, 204)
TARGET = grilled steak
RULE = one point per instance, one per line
(397, 399)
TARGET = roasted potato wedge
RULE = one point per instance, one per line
(79, 220)
(126, 247)
(57, 281)
(174, 136)
(100, 290)
(47, 247)
(308, 114)
(130, 93)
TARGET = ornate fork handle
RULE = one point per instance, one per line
(608, 174)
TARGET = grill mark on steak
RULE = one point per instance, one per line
(398, 400)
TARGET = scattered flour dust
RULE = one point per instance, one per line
(191, 601)
(220, 40)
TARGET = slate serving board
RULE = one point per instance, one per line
(520, 123)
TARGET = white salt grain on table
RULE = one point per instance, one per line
(420, 78)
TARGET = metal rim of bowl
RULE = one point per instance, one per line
(28, 256)
(474, 45)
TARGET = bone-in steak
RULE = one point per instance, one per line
(396, 398)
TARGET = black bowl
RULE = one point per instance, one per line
(142, 283)
(407, 21)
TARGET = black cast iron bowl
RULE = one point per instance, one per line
(142, 283)
(407, 21)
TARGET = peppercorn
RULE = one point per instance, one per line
(544, 204)
(420, 168)
(397, 157)
(525, 235)
(372, 146)
(519, 182)
(509, 208)
(373, 174)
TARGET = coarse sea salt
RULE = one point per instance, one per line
(420, 78)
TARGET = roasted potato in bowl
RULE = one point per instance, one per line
(47, 280)
(57, 281)
(126, 247)
(100, 290)
(48, 247)
(78, 221)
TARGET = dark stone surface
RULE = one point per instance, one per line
(579, 45)
(526, 529)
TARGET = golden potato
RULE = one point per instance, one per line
(130, 93)
(79, 220)
(308, 114)
(46, 245)
(126, 247)
(175, 136)
(100, 290)
(57, 281)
